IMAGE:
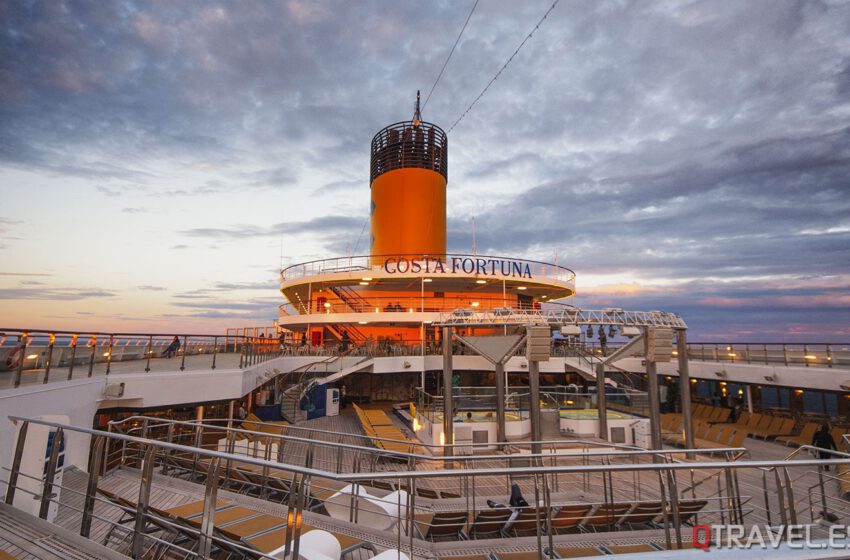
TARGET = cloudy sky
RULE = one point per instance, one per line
(160, 160)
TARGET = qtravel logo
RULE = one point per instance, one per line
(707, 537)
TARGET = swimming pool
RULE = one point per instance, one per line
(590, 414)
(482, 416)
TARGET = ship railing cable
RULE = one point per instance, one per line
(505, 65)
(451, 52)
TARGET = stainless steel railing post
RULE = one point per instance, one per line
(183, 358)
(22, 340)
(144, 499)
(215, 350)
(205, 537)
(73, 356)
(148, 354)
(95, 465)
(50, 474)
(92, 353)
(789, 489)
(47, 362)
(15, 470)
(109, 354)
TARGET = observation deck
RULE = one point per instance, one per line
(416, 288)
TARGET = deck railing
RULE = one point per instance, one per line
(706, 491)
(488, 264)
(42, 356)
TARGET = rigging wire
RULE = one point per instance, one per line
(505, 65)
(359, 237)
(451, 52)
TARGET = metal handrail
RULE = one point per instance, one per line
(440, 473)
(624, 450)
(364, 263)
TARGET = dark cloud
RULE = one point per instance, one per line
(149, 288)
(264, 308)
(702, 142)
(331, 229)
(55, 294)
(246, 285)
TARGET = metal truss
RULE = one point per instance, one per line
(560, 317)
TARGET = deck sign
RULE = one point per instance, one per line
(484, 266)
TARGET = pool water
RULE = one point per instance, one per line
(482, 416)
(590, 414)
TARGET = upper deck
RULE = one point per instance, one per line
(422, 283)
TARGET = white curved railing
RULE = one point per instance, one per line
(484, 265)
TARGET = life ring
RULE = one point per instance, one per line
(13, 360)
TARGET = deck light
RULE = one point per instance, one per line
(520, 287)
(543, 297)
(362, 322)
(364, 283)
(675, 352)
(810, 357)
(32, 356)
(366, 279)
(327, 305)
(427, 280)
(481, 281)
(474, 304)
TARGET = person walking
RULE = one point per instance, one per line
(824, 442)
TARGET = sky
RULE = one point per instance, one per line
(160, 161)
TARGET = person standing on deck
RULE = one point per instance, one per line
(823, 440)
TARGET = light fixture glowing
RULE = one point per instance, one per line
(366, 279)
(481, 281)
(427, 280)
(543, 297)
(693, 380)
(474, 304)
(675, 353)
(32, 356)
(732, 354)
(810, 357)
(364, 283)
(105, 354)
(327, 305)
(362, 322)
(520, 287)
(442, 439)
